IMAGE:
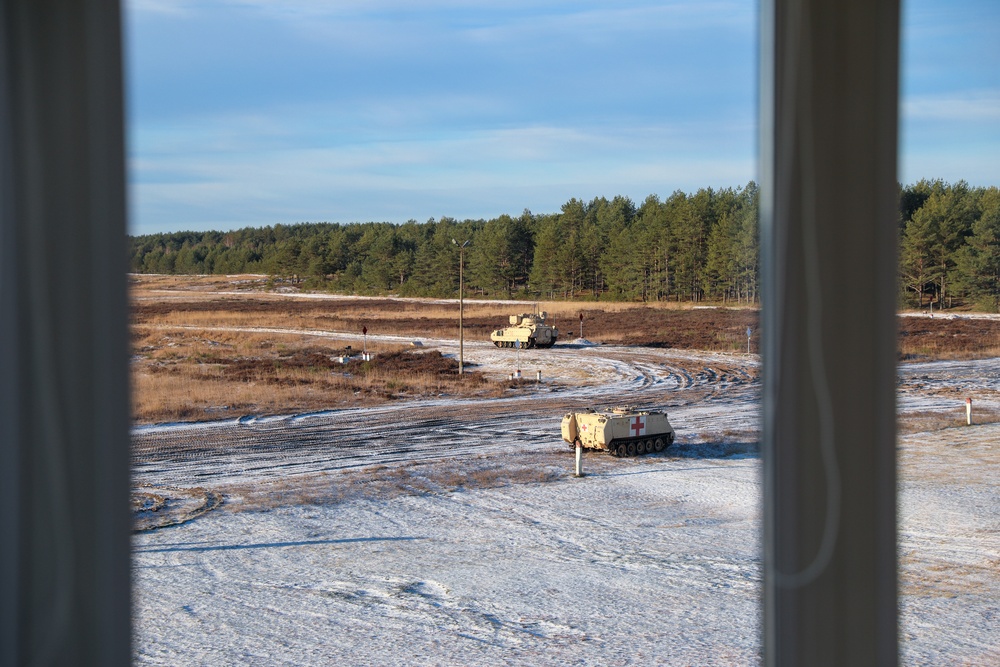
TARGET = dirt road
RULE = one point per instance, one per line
(431, 562)
(708, 396)
(712, 398)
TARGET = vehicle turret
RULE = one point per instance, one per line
(529, 329)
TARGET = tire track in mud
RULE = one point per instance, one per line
(171, 506)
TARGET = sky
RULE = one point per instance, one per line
(246, 113)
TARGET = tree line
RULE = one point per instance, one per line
(688, 247)
(949, 245)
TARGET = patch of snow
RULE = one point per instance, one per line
(546, 574)
(583, 342)
(650, 560)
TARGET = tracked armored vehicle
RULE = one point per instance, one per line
(621, 431)
(528, 328)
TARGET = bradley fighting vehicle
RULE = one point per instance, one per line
(530, 329)
(622, 431)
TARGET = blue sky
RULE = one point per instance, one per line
(257, 112)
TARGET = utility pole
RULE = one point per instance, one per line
(461, 305)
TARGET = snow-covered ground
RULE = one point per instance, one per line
(324, 552)
(949, 546)
(650, 561)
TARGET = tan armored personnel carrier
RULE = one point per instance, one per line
(528, 328)
(622, 431)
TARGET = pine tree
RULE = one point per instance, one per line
(979, 260)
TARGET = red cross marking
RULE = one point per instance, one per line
(638, 426)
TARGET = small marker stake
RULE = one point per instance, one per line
(968, 412)
(579, 459)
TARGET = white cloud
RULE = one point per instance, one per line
(973, 163)
(161, 7)
(473, 174)
(389, 109)
(386, 22)
(979, 105)
(606, 23)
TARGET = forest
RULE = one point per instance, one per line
(689, 247)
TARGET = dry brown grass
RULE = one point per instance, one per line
(925, 421)
(922, 576)
(167, 301)
(946, 338)
(187, 374)
(187, 366)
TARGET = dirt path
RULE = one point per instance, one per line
(711, 398)
(705, 393)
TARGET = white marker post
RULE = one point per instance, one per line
(581, 326)
(517, 346)
(538, 376)
(579, 459)
(968, 412)
(749, 333)
(364, 339)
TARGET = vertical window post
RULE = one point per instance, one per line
(65, 596)
(828, 124)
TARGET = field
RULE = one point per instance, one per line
(198, 340)
(408, 517)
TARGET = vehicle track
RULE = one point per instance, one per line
(711, 398)
(251, 449)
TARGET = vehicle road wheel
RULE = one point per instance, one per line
(621, 451)
(649, 446)
(670, 439)
(658, 445)
(630, 448)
